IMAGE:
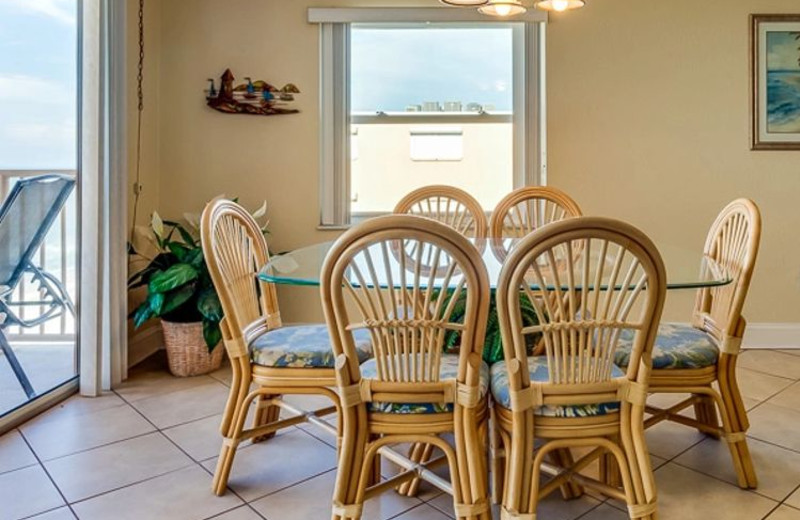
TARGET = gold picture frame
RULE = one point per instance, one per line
(775, 81)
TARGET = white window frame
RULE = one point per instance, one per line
(529, 145)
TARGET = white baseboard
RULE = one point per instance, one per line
(772, 335)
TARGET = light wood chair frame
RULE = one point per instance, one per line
(620, 434)
(732, 244)
(551, 204)
(367, 434)
(449, 205)
(234, 248)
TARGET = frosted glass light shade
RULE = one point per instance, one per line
(465, 3)
(559, 5)
(502, 8)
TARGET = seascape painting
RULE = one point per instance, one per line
(775, 81)
(783, 81)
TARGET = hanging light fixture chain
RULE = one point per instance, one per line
(137, 186)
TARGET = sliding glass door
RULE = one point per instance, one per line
(38, 209)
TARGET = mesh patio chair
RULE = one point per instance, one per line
(25, 219)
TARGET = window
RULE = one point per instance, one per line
(426, 96)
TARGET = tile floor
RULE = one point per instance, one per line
(147, 450)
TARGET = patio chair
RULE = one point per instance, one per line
(574, 396)
(26, 216)
(690, 358)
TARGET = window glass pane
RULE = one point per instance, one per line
(432, 105)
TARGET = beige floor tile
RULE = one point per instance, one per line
(14, 452)
(96, 471)
(286, 459)
(785, 513)
(78, 405)
(62, 513)
(201, 439)
(667, 439)
(180, 495)
(791, 351)
(776, 424)
(553, 507)
(185, 405)
(223, 374)
(771, 362)
(794, 499)
(759, 386)
(26, 492)
(73, 433)
(422, 512)
(240, 513)
(312, 499)
(778, 469)
(789, 398)
(605, 512)
(143, 384)
(687, 495)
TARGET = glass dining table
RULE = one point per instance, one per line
(686, 269)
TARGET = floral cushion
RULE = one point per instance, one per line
(537, 365)
(303, 346)
(678, 345)
(447, 370)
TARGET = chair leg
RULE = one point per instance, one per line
(228, 450)
(562, 457)
(497, 453)
(705, 411)
(265, 414)
(733, 408)
(16, 367)
(420, 453)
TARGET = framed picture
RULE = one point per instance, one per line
(775, 77)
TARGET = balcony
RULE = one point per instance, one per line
(47, 353)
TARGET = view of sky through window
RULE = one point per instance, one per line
(396, 69)
(38, 84)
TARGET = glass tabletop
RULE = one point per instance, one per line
(686, 269)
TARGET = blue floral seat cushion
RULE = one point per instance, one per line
(537, 366)
(303, 346)
(447, 370)
(677, 346)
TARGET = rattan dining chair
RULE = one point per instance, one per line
(574, 396)
(448, 205)
(458, 209)
(690, 358)
(410, 392)
(528, 208)
(274, 358)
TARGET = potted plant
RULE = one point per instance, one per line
(180, 292)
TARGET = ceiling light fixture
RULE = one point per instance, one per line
(502, 8)
(465, 3)
(559, 5)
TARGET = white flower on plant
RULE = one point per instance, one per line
(193, 219)
(261, 211)
(157, 224)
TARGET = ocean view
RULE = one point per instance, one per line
(783, 101)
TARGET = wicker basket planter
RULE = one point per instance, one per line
(187, 353)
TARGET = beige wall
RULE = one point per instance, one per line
(648, 122)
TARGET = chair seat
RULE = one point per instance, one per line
(537, 366)
(677, 346)
(448, 369)
(303, 346)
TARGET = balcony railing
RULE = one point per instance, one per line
(58, 255)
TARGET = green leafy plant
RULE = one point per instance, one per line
(179, 286)
(493, 342)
